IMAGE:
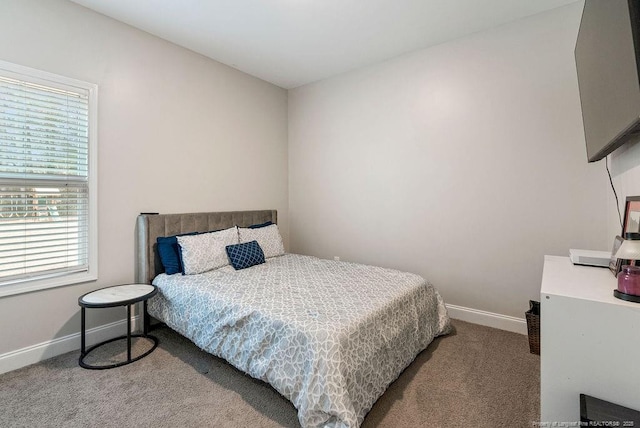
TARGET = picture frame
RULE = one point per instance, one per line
(615, 264)
(631, 223)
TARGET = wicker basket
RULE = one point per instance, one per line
(533, 326)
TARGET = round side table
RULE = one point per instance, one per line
(109, 297)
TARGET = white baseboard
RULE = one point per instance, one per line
(489, 319)
(42, 351)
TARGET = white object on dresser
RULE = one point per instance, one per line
(590, 341)
(590, 258)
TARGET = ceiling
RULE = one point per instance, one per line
(293, 42)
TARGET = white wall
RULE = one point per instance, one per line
(177, 133)
(465, 163)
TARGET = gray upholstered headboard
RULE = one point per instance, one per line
(151, 226)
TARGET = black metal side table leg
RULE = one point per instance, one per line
(145, 319)
(128, 333)
(82, 334)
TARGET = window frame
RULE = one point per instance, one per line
(47, 281)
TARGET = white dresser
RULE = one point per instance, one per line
(590, 341)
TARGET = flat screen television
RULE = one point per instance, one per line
(607, 57)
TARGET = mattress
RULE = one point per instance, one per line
(329, 336)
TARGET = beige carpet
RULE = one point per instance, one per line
(476, 377)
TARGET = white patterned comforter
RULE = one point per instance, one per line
(329, 336)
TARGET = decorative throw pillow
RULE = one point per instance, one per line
(206, 251)
(268, 237)
(169, 253)
(258, 226)
(245, 255)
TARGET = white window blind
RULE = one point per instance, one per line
(45, 219)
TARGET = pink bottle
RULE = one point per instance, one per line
(629, 280)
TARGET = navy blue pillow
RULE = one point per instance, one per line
(169, 253)
(245, 255)
(258, 226)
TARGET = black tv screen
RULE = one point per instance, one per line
(607, 64)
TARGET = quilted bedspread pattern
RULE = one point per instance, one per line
(329, 336)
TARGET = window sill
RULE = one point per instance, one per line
(38, 284)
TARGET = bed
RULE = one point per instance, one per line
(329, 336)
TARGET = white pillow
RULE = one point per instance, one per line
(268, 238)
(206, 251)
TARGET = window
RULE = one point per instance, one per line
(47, 180)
